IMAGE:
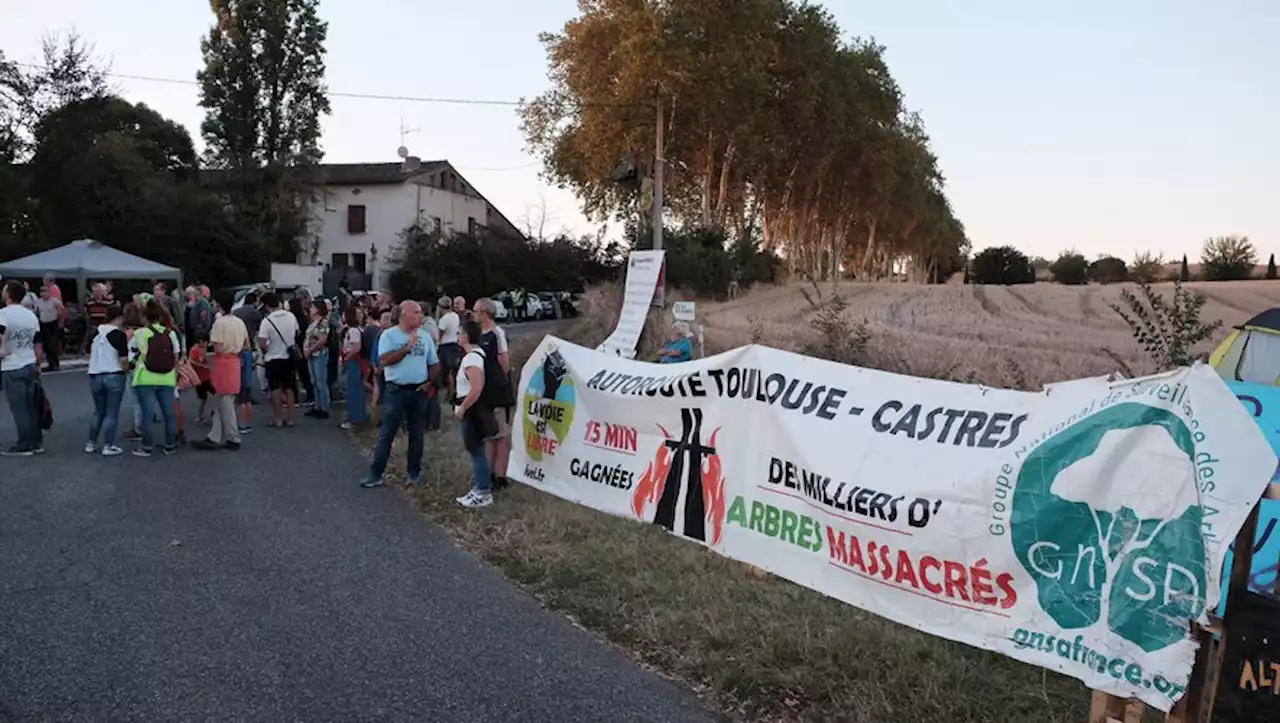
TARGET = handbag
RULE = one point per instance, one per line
(187, 376)
(43, 407)
(483, 419)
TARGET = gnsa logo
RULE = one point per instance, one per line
(548, 404)
(683, 487)
(1106, 520)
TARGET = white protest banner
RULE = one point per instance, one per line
(1080, 528)
(644, 268)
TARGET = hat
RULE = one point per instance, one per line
(444, 302)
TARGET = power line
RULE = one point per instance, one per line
(332, 94)
(357, 96)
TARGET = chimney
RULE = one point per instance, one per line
(411, 164)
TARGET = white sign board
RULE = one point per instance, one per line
(1078, 529)
(682, 310)
(643, 271)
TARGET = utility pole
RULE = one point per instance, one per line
(659, 163)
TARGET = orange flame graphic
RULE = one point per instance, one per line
(649, 488)
(713, 491)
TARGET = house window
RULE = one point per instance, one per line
(339, 261)
(434, 224)
(355, 219)
(471, 224)
(357, 262)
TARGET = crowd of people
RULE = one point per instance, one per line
(397, 365)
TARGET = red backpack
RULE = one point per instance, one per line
(161, 357)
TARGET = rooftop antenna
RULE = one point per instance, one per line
(403, 150)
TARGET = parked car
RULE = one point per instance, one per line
(286, 292)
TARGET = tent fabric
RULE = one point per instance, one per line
(88, 259)
(1249, 354)
(1269, 319)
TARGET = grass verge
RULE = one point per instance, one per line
(753, 646)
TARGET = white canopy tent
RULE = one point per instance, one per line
(88, 259)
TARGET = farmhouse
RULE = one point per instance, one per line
(361, 209)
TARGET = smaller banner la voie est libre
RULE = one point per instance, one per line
(1079, 529)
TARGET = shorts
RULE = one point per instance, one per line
(282, 375)
(503, 415)
(204, 389)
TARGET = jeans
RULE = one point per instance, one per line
(474, 444)
(356, 413)
(319, 367)
(407, 404)
(20, 391)
(108, 392)
(153, 398)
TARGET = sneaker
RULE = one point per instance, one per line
(347, 426)
(205, 445)
(413, 481)
(17, 450)
(111, 451)
(90, 448)
(169, 449)
(245, 428)
(38, 449)
(311, 412)
(321, 415)
(141, 452)
(132, 435)
(371, 482)
(475, 499)
(231, 446)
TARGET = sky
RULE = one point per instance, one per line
(1104, 127)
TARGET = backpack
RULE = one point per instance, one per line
(160, 357)
(497, 388)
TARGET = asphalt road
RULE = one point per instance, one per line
(265, 585)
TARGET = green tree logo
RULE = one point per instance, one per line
(1139, 567)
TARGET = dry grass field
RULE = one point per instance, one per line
(1009, 336)
(759, 648)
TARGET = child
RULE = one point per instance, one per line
(200, 362)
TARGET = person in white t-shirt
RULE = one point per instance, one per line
(476, 418)
(20, 358)
(278, 334)
(449, 349)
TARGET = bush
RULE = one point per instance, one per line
(1108, 270)
(839, 339)
(429, 264)
(1002, 265)
(1228, 258)
(1147, 267)
(1070, 268)
(1167, 331)
(702, 260)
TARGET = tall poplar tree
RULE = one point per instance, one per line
(263, 91)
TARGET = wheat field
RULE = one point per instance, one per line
(1007, 336)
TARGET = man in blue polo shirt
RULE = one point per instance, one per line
(408, 359)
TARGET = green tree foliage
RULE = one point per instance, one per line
(1271, 267)
(110, 170)
(1168, 331)
(65, 71)
(1184, 273)
(1147, 266)
(768, 114)
(1108, 270)
(1003, 265)
(263, 91)
(1228, 258)
(428, 264)
(703, 261)
(1070, 268)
